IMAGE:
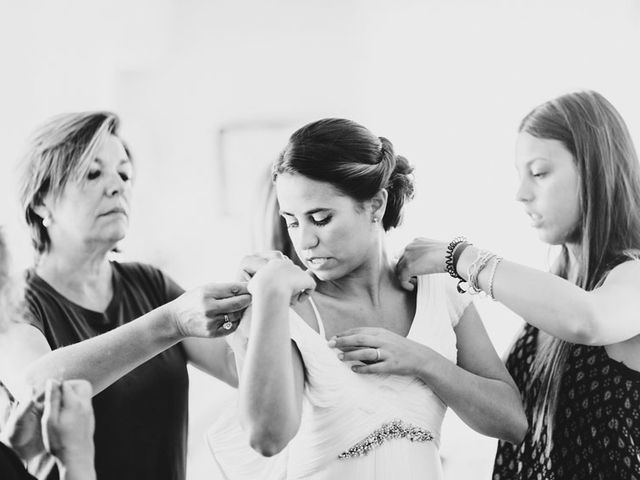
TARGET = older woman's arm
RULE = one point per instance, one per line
(27, 361)
(214, 357)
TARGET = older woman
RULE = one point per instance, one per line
(125, 327)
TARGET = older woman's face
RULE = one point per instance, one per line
(95, 210)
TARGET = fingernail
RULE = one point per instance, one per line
(354, 368)
(332, 343)
(341, 356)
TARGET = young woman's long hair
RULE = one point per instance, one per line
(609, 229)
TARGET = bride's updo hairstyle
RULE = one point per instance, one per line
(353, 160)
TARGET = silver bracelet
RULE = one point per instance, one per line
(481, 261)
(492, 277)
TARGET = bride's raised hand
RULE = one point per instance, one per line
(250, 264)
(281, 275)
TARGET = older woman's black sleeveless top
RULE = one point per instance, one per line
(141, 419)
(597, 425)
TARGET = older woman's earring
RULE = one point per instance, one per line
(375, 219)
(46, 221)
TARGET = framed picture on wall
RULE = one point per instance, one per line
(245, 153)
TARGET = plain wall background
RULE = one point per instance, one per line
(446, 81)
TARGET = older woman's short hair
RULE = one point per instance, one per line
(60, 150)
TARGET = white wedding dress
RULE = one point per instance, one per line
(354, 425)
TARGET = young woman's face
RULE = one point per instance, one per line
(331, 232)
(549, 188)
(95, 209)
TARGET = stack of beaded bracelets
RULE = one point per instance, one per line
(454, 251)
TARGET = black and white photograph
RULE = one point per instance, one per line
(304, 240)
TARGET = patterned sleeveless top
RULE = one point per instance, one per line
(597, 425)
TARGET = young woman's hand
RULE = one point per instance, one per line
(421, 257)
(21, 431)
(281, 275)
(67, 421)
(381, 351)
(250, 264)
(213, 310)
(68, 425)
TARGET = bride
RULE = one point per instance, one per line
(341, 364)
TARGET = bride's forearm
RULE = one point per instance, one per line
(271, 382)
(490, 406)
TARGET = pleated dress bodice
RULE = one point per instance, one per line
(361, 425)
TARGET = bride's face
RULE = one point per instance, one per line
(332, 233)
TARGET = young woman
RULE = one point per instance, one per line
(577, 363)
(340, 189)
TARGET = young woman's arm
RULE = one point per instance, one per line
(604, 316)
(272, 379)
(479, 389)
(68, 426)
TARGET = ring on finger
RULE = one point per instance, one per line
(227, 322)
(377, 354)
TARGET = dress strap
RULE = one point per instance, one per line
(318, 317)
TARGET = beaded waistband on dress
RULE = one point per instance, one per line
(388, 431)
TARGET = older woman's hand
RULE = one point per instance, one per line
(380, 351)
(421, 257)
(213, 310)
